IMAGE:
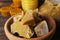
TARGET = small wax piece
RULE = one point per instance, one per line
(41, 28)
(5, 11)
(15, 11)
(18, 17)
(28, 17)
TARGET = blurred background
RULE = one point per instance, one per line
(5, 2)
(3, 19)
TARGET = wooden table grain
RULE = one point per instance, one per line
(2, 33)
(3, 20)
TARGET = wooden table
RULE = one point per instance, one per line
(3, 36)
(2, 22)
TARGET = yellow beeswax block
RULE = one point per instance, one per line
(28, 17)
(22, 30)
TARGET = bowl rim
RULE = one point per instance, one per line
(42, 37)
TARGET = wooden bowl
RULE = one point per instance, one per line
(47, 36)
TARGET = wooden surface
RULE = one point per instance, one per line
(2, 22)
(5, 0)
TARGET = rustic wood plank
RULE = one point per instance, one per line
(2, 33)
(2, 4)
(3, 20)
(5, 0)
